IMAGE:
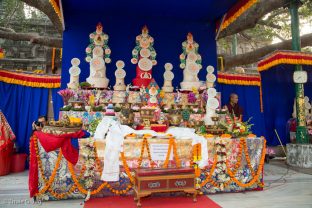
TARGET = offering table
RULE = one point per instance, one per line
(247, 172)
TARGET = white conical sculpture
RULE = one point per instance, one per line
(74, 72)
(210, 78)
(98, 54)
(190, 63)
(168, 77)
(211, 106)
(120, 75)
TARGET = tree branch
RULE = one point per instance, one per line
(269, 24)
(32, 38)
(254, 56)
(252, 16)
(45, 7)
(6, 29)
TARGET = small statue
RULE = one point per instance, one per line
(145, 56)
(120, 74)
(168, 77)
(98, 53)
(190, 63)
(74, 72)
(153, 101)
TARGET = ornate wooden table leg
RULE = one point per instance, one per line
(194, 196)
(139, 205)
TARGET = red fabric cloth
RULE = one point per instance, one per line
(6, 134)
(157, 128)
(51, 142)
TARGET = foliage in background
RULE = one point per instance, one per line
(274, 26)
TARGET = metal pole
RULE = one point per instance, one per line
(301, 133)
(234, 45)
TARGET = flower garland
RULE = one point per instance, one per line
(126, 167)
(96, 191)
(172, 144)
(255, 176)
(231, 174)
(145, 144)
(48, 183)
(196, 153)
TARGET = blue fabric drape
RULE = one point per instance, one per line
(57, 103)
(21, 106)
(278, 99)
(249, 100)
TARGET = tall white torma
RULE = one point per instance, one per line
(190, 63)
(98, 54)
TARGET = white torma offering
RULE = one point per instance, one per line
(74, 72)
(98, 54)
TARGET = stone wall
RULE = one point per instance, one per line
(299, 155)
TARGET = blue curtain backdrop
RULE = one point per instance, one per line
(278, 99)
(249, 100)
(57, 103)
(122, 20)
(21, 106)
(167, 33)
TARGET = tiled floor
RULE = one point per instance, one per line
(284, 188)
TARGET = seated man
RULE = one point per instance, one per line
(233, 108)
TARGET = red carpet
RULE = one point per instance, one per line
(151, 202)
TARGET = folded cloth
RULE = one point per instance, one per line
(51, 142)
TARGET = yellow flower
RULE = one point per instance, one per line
(162, 94)
(194, 90)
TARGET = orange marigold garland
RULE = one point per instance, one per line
(145, 144)
(172, 145)
(256, 176)
(126, 167)
(231, 174)
(48, 182)
(196, 153)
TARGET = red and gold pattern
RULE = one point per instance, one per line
(239, 79)
(284, 57)
(30, 80)
(56, 6)
(236, 11)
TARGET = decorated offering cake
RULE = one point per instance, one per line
(98, 54)
(109, 111)
(190, 63)
(145, 56)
